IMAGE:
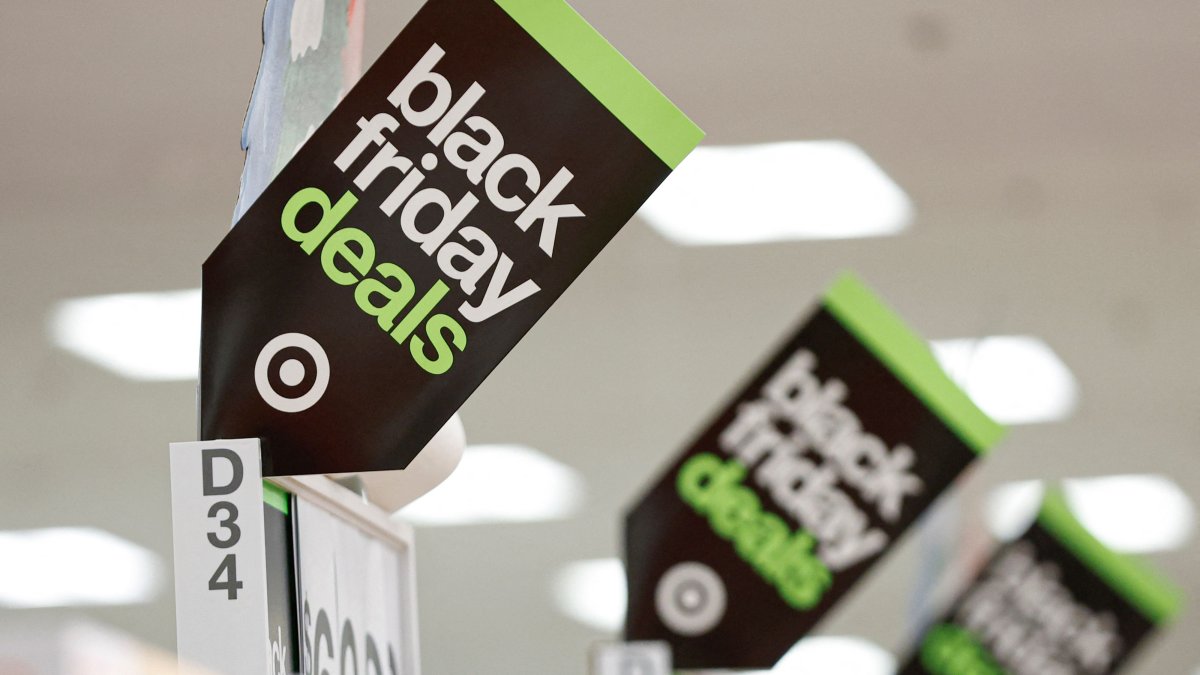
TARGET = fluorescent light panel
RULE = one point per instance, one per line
(140, 336)
(834, 655)
(1015, 379)
(1136, 513)
(93, 649)
(500, 484)
(747, 194)
(592, 592)
(1012, 507)
(69, 566)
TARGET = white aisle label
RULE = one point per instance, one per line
(352, 591)
(220, 568)
(631, 658)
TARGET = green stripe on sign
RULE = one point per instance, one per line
(277, 497)
(1152, 595)
(910, 360)
(602, 70)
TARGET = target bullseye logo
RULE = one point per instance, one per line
(690, 599)
(292, 372)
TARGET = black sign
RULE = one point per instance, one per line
(279, 554)
(447, 202)
(797, 487)
(1054, 602)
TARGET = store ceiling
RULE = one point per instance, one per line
(1051, 151)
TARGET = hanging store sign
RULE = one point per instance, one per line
(446, 203)
(1053, 602)
(801, 483)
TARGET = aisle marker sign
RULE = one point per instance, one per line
(800, 484)
(631, 658)
(1053, 602)
(468, 178)
(218, 521)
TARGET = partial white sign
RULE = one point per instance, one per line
(631, 658)
(355, 592)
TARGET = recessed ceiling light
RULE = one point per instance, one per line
(69, 566)
(1015, 379)
(745, 194)
(72, 646)
(592, 592)
(834, 655)
(829, 655)
(1012, 507)
(93, 649)
(500, 484)
(1133, 513)
(1137, 513)
(141, 336)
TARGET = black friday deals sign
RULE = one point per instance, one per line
(487, 157)
(801, 483)
(1054, 602)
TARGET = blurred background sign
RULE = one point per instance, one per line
(631, 658)
(801, 483)
(312, 56)
(1054, 601)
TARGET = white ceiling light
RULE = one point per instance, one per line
(1015, 379)
(141, 336)
(68, 566)
(500, 484)
(834, 655)
(1133, 513)
(1012, 507)
(831, 655)
(592, 592)
(1127, 513)
(778, 191)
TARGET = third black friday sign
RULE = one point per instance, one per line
(1054, 602)
(487, 157)
(797, 488)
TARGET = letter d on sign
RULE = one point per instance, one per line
(209, 457)
(331, 215)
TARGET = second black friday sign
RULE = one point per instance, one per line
(801, 483)
(487, 157)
